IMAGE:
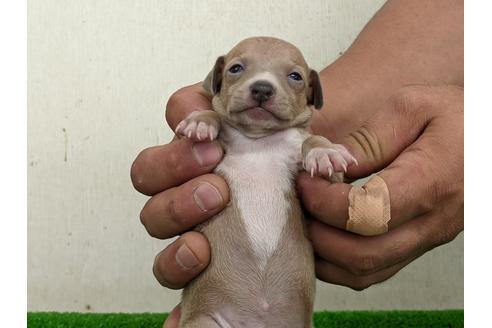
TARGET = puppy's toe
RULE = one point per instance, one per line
(213, 132)
(338, 162)
(347, 156)
(190, 129)
(202, 131)
(325, 168)
(310, 165)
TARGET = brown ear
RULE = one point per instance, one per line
(316, 95)
(213, 80)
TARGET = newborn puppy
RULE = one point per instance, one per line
(261, 272)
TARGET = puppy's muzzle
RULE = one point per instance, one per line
(262, 91)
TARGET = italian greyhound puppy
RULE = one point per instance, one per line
(261, 272)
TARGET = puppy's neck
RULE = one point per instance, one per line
(250, 132)
(235, 138)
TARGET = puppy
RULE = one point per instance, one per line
(261, 272)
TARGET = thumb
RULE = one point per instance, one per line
(392, 129)
(184, 101)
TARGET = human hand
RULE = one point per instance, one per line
(417, 138)
(183, 194)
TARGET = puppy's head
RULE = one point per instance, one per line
(264, 85)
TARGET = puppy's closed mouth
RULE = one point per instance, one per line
(260, 113)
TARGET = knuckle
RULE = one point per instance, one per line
(409, 98)
(359, 285)
(363, 263)
(313, 204)
(174, 214)
(152, 233)
(447, 234)
(178, 220)
(444, 237)
(173, 102)
(177, 163)
(368, 142)
(175, 99)
(178, 98)
(424, 98)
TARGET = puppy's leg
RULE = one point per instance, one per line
(203, 125)
(325, 159)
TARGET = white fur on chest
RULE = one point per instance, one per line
(260, 172)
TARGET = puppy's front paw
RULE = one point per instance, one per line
(326, 161)
(200, 126)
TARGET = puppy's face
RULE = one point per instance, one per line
(263, 85)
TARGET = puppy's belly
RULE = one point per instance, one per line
(259, 184)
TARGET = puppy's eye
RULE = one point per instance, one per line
(236, 69)
(295, 76)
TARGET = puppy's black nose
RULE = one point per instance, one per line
(262, 90)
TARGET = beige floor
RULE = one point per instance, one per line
(99, 75)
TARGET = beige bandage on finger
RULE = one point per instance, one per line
(369, 208)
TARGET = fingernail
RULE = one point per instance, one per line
(185, 258)
(207, 197)
(206, 154)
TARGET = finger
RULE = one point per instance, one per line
(172, 320)
(362, 255)
(333, 274)
(326, 201)
(181, 208)
(161, 167)
(184, 101)
(385, 135)
(182, 260)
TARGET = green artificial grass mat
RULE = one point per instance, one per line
(344, 319)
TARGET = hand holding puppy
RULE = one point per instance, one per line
(183, 192)
(417, 137)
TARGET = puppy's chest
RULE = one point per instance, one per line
(260, 175)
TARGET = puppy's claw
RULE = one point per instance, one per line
(198, 126)
(179, 127)
(326, 161)
(355, 161)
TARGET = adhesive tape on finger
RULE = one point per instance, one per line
(369, 208)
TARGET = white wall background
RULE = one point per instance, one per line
(100, 73)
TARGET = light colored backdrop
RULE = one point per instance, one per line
(100, 73)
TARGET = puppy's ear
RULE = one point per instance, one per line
(315, 96)
(213, 80)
